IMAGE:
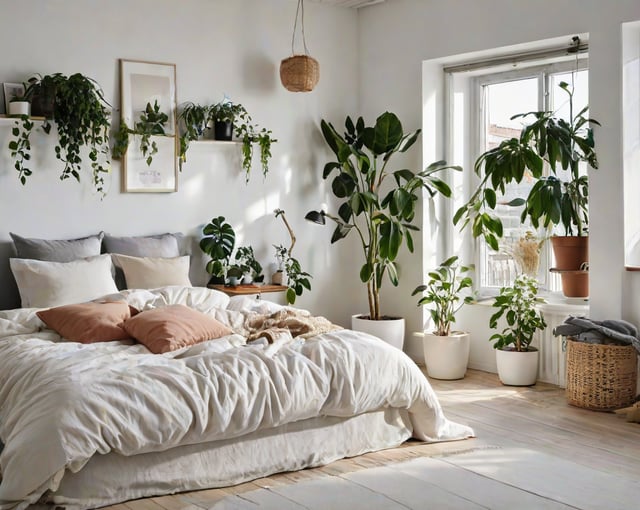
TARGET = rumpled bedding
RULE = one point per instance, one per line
(63, 402)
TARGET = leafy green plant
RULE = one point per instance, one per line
(152, 123)
(246, 258)
(552, 201)
(383, 220)
(444, 291)
(20, 146)
(517, 304)
(218, 241)
(194, 119)
(83, 119)
(297, 279)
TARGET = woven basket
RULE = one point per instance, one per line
(299, 73)
(601, 377)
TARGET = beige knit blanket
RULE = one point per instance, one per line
(298, 323)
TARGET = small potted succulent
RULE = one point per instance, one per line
(446, 352)
(517, 360)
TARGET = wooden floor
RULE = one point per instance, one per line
(532, 450)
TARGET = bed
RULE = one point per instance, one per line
(86, 424)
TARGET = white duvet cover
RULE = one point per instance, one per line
(63, 402)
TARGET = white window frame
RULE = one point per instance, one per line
(543, 72)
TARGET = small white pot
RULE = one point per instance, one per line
(517, 368)
(389, 330)
(446, 357)
(19, 108)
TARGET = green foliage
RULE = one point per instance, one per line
(82, 118)
(218, 242)
(20, 146)
(551, 201)
(444, 291)
(517, 305)
(381, 211)
(246, 259)
(152, 123)
(196, 118)
(297, 279)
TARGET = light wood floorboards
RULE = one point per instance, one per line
(532, 451)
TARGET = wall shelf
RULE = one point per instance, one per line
(217, 142)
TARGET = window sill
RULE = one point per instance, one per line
(555, 302)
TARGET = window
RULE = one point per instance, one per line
(481, 107)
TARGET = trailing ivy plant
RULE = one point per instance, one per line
(83, 119)
(152, 123)
(20, 146)
(194, 120)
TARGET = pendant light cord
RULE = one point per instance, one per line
(299, 13)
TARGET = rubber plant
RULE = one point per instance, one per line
(561, 144)
(83, 119)
(377, 203)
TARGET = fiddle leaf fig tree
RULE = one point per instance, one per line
(553, 200)
(377, 203)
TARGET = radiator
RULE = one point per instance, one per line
(553, 360)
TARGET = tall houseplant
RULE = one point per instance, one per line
(554, 199)
(517, 304)
(446, 352)
(377, 203)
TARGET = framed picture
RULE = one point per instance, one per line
(10, 91)
(148, 105)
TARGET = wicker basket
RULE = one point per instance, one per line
(601, 377)
(299, 73)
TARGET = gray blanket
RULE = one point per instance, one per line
(599, 332)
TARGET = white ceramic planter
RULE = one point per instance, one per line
(19, 108)
(446, 357)
(391, 330)
(517, 368)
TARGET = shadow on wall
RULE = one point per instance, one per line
(9, 296)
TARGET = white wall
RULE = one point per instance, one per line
(219, 46)
(398, 35)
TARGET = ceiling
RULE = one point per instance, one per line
(349, 3)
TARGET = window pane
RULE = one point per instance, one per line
(502, 101)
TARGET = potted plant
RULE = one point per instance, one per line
(297, 279)
(218, 241)
(20, 103)
(446, 352)
(553, 200)
(193, 120)
(377, 203)
(252, 269)
(224, 115)
(82, 116)
(517, 360)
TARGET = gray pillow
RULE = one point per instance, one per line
(57, 250)
(162, 245)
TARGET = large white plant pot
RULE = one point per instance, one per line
(389, 330)
(19, 108)
(517, 368)
(446, 357)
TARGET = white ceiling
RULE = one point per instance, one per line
(349, 3)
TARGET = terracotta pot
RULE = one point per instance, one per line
(575, 284)
(570, 251)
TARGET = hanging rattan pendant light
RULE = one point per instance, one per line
(299, 73)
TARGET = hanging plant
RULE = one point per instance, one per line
(299, 73)
(82, 116)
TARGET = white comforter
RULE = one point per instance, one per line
(63, 402)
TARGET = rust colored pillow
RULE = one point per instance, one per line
(172, 327)
(89, 322)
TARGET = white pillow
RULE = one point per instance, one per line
(45, 284)
(153, 272)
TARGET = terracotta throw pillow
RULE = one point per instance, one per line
(172, 327)
(89, 322)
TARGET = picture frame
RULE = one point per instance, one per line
(149, 83)
(11, 90)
